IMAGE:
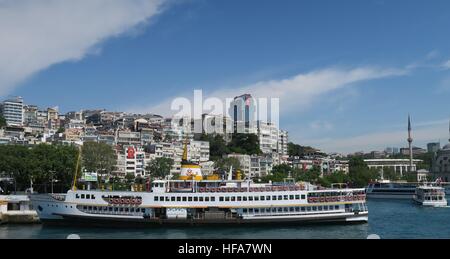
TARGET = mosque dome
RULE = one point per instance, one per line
(446, 147)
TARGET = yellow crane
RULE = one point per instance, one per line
(74, 186)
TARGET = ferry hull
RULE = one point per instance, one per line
(92, 221)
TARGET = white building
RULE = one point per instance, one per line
(268, 137)
(283, 140)
(399, 166)
(13, 111)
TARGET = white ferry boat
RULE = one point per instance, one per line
(427, 195)
(390, 190)
(194, 200)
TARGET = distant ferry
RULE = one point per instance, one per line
(428, 195)
(390, 190)
(193, 200)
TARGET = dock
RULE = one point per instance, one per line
(17, 209)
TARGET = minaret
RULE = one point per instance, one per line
(410, 140)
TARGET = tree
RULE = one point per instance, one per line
(245, 144)
(224, 164)
(2, 122)
(217, 146)
(159, 167)
(360, 174)
(98, 157)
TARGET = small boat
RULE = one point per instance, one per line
(428, 195)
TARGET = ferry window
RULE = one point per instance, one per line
(95, 208)
(285, 197)
(291, 197)
(167, 198)
(161, 198)
(189, 198)
(82, 196)
(262, 198)
(256, 198)
(178, 198)
(302, 208)
(286, 209)
(116, 209)
(308, 208)
(227, 198)
(200, 198)
(314, 208)
(126, 209)
(184, 198)
(93, 197)
(320, 208)
(88, 196)
(297, 209)
(132, 209)
(297, 197)
(207, 199)
(280, 197)
(220, 198)
(268, 198)
(121, 209)
(303, 197)
(77, 196)
(110, 209)
(280, 209)
(250, 198)
(274, 209)
(172, 198)
(156, 198)
(244, 210)
(84, 208)
(239, 198)
(195, 198)
(336, 207)
(233, 198)
(256, 210)
(90, 208)
(274, 198)
(250, 210)
(291, 209)
(267, 210)
(244, 198)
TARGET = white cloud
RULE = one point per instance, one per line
(446, 65)
(36, 34)
(423, 133)
(296, 93)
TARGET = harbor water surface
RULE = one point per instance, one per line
(387, 218)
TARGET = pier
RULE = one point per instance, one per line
(17, 209)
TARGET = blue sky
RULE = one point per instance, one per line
(347, 72)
